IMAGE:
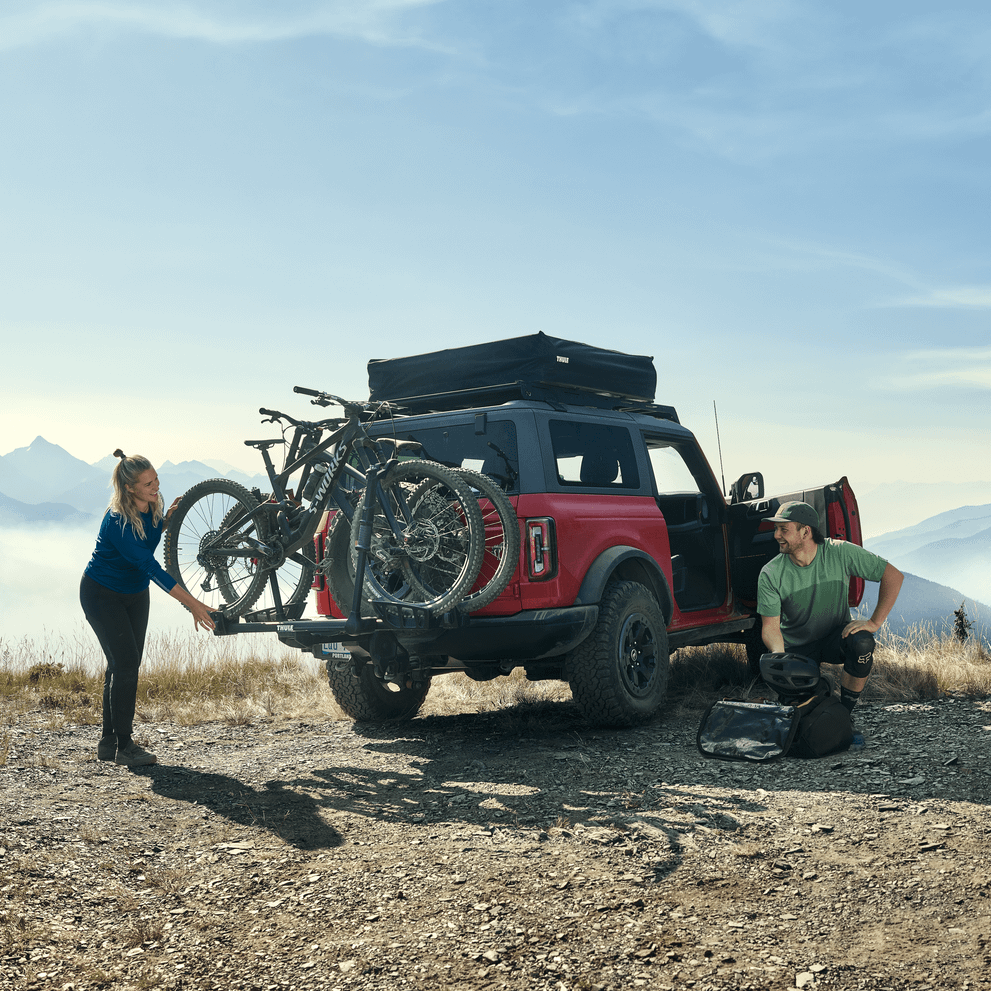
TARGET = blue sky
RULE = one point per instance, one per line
(786, 203)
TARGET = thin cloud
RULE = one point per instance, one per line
(953, 368)
(374, 21)
(960, 297)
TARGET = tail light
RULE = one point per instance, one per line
(541, 553)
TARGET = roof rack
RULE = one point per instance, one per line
(556, 396)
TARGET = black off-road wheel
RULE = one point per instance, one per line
(619, 675)
(368, 699)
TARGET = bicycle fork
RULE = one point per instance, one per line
(353, 625)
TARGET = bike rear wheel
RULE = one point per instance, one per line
(502, 541)
(422, 551)
(208, 556)
(294, 577)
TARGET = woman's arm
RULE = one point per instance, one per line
(200, 610)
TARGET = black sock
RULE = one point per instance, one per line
(849, 698)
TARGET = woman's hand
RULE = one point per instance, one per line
(175, 502)
(200, 610)
(201, 615)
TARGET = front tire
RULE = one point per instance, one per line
(619, 674)
(366, 698)
(423, 550)
(209, 557)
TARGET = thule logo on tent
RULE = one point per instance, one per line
(562, 359)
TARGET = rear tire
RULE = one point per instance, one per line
(619, 674)
(294, 576)
(366, 698)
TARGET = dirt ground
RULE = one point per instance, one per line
(514, 849)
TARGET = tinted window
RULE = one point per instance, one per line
(594, 455)
(492, 452)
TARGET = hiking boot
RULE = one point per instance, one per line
(134, 756)
(106, 749)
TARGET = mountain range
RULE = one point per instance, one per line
(44, 473)
(44, 484)
(951, 548)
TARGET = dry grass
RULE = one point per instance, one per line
(189, 679)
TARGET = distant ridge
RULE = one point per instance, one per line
(15, 513)
(44, 473)
(926, 603)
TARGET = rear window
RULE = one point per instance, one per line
(492, 451)
(594, 455)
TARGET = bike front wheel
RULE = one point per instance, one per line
(422, 550)
(209, 545)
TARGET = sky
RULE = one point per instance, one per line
(205, 203)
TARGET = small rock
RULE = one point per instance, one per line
(806, 977)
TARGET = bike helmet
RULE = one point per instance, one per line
(789, 674)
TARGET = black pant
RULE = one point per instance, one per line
(120, 621)
(855, 652)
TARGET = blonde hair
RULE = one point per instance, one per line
(122, 503)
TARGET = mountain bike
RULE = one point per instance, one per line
(417, 532)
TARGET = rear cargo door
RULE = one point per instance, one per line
(752, 542)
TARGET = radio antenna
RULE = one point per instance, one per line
(719, 445)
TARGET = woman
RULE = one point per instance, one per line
(114, 596)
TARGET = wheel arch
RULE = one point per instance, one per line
(624, 563)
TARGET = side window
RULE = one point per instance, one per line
(671, 474)
(594, 455)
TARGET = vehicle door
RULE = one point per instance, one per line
(751, 539)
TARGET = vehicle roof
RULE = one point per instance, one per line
(645, 414)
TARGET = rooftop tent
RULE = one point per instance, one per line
(535, 360)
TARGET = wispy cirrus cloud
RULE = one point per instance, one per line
(941, 368)
(375, 21)
(958, 297)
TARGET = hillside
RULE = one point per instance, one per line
(925, 602)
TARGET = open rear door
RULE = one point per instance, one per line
(752, 542)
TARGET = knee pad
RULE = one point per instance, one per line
(858, 650)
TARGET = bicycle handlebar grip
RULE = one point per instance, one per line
(268, 412)
(306, 392)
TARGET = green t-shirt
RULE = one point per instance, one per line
(813, 601)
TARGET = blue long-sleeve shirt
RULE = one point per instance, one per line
(122, 562)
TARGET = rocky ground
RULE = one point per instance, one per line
(513, 849)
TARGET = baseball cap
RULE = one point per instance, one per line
(799, 513)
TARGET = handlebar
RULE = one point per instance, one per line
(352, 408)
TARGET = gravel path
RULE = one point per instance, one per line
(499, 850)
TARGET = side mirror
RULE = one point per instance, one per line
(747, 488)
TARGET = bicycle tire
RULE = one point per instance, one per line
(339, 566)
(206, 572)
(295, 575)
(502, 539)
(444, 535)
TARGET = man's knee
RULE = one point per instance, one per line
(858, 650)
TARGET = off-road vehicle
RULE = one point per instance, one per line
(628, 547)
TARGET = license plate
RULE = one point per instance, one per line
(337, 650)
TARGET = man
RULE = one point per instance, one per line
(802, 597)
